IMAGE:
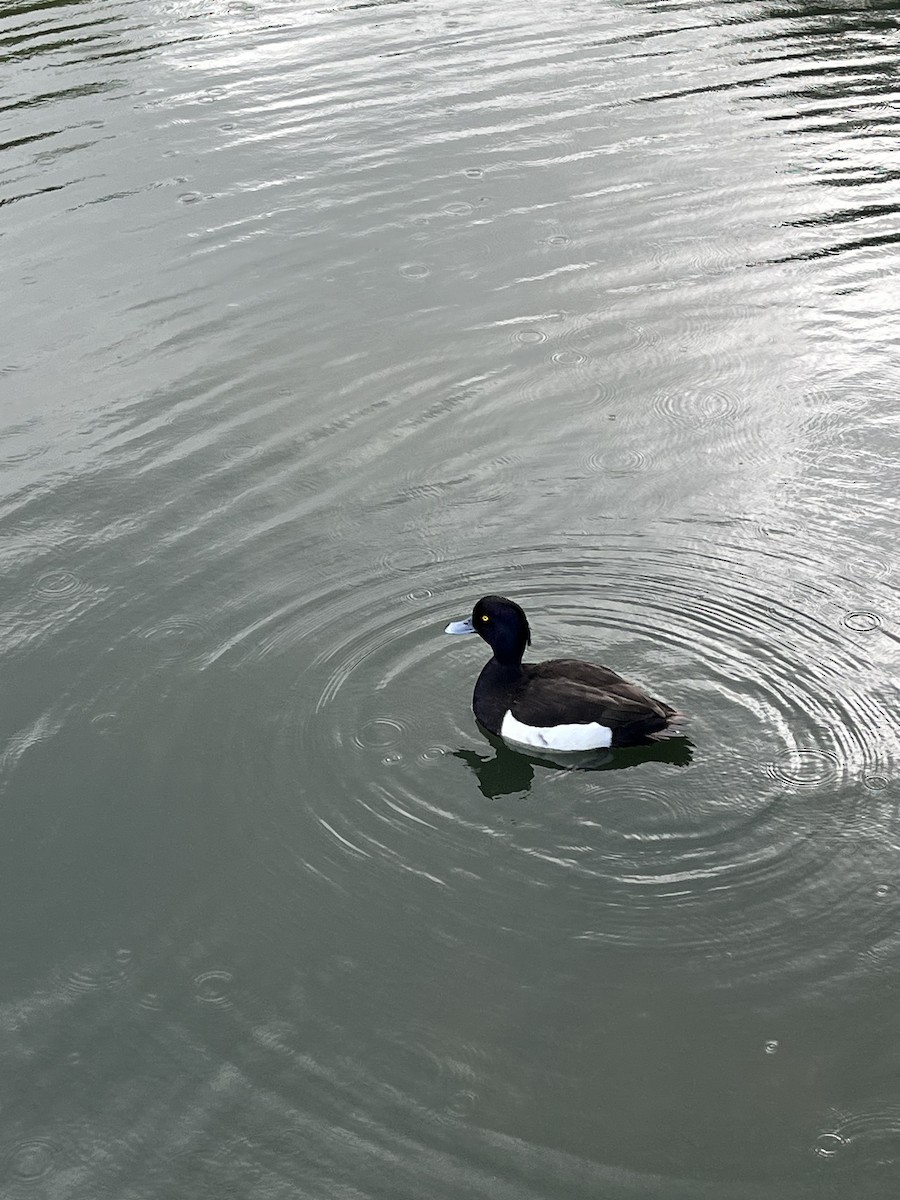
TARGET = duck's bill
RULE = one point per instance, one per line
(460, 627)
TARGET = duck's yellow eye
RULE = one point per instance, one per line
(485, 617)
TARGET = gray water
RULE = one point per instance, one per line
(318, 323)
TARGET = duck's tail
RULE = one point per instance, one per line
(675, 722)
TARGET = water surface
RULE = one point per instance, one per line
(321, 322)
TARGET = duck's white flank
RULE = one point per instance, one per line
(591, 736)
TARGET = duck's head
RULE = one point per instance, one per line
(502, 624)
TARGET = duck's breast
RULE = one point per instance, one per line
(588, 735)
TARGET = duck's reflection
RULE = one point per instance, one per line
(508, 770)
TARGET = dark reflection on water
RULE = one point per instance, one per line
(842, 103)
(321, 321)
(508, 771)
(827, 73)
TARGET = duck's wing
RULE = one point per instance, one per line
(585, 693)
(590, 674)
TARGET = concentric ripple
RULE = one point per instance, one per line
(772, 824)
(110, 971)
(868, 1137)
(175, 638)
(62, 584)
(31, 1160)
(806, 768)
(697, 410)
(214, 987)
(861, 621)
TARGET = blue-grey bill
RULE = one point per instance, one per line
(460, 626)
